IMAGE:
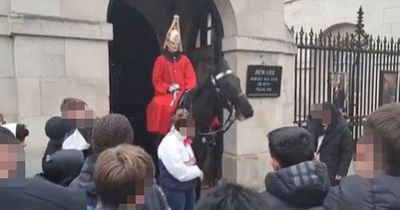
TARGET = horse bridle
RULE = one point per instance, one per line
(231, 118)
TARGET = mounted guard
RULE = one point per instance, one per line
(173, 74)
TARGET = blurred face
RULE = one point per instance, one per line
(80, 114)
(173, 41)
(136, 202)
(369, 156)
(11, 157)
(173, 46)
(320, 114)
(188, 128)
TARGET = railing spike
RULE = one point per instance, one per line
(311, 37)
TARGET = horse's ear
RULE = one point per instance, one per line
(223, 66)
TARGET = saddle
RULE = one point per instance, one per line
(161, 109)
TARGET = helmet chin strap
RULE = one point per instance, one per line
(171, 48)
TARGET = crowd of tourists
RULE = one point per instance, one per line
(92, 163)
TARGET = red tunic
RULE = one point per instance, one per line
(165, 73)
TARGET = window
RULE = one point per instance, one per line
(205, 35)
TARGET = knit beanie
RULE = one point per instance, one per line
(110, 131)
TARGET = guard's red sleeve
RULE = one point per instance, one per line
(160, 86)
(190, 75)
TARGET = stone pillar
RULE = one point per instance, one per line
(49, 50)
(255, 33)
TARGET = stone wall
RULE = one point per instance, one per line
(246, 156)
(50, 50)
(381, 17)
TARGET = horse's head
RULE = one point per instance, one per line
(230, 92)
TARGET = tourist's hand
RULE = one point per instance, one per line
(174, 87)
(338, 177)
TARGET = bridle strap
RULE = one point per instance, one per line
(231, 118)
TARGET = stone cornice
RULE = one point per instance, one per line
(257, 44)
(36, 25)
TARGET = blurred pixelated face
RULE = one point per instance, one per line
(321, 114)
(173, 41)
(12, 161)
(80, 114)
(187, 127)
(369, 156)
(142, 190)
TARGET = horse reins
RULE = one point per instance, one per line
(229, 121)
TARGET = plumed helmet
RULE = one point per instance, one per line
(174, 35)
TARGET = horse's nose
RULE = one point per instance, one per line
(239, 116)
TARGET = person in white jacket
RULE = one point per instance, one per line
(179, 173)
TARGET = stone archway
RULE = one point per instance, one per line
(132, 53)
(138, 37)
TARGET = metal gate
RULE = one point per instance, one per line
(356, 72)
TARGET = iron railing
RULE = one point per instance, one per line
(359, 62)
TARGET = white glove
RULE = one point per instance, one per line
(174, 87)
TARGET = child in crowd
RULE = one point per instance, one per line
(178, 170)
(124, 178)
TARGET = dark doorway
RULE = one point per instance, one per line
(132, 54)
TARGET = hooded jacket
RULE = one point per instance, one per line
(63, 166)
(336, 150)
(357, 193)
(56, 128)
(85, 181)
(302, 186)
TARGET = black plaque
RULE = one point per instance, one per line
(263, 81)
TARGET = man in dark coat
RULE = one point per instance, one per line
(333, 144)
(298, 181)
(378, 161)
(17, 193)
(109, 131)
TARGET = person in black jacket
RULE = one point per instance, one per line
(333, 144)
(56, 128)
(109, 131)
(82, 118)
(230, 196)
(63, 166)
(298, 181)
(378, 162)
(124, 178)
(17, 193)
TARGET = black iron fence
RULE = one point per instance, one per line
(356, 72)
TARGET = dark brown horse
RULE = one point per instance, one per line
(222, 88)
